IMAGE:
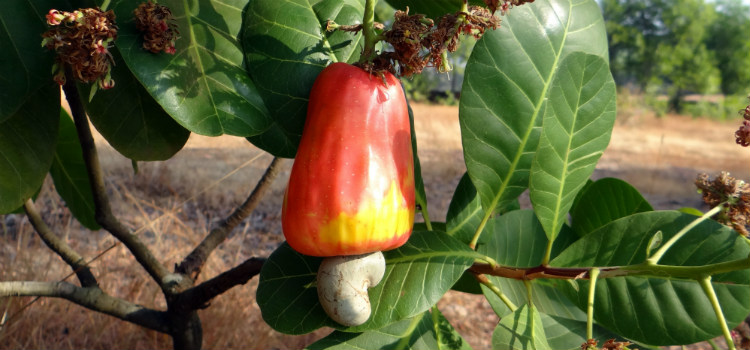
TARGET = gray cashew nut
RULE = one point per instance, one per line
(342, 286)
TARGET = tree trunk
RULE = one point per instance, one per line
(675, 102)
(187, 332)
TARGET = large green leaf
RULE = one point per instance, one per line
(464, 212)
(27, 146)
(523, 330)
(24, 64)
(516, 239)
(131, 120)
(416, 277)
(204, 85)
(428, 331)
(604, 201)
(507, 83)
(286, 47)
(576, 129)
(659, 310)
(70, 176)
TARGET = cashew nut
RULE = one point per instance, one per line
(343, 283)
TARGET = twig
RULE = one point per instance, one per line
(192, 264)
(70, 256)
(104, 216)
(199, 296)
(92, 298)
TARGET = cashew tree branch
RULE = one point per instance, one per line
(59, 246)
(104, 215)
(199, 296)
(92, 298)
(193, 263)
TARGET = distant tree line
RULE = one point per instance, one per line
(679, 47)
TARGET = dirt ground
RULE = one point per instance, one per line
(178, 200)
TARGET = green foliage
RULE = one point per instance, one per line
(536, 112)
(27, 146)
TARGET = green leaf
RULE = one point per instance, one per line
(428, 331)
(507, 82)
(661, 310)
(522, 330)
(70, 176)
(27, 146)
(576, 129)
(288, 298)
(465, 212)
(419, 193)
(131, 120)
(286, 47)
(24, 64)
(604, 201)
(518, 240)
(204, 85)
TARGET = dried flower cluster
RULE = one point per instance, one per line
(608, 345)
(743, 134)
(419, 43)
(735, 196)
(158, 27)
(81, 40)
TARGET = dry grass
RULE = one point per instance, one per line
(179, 200)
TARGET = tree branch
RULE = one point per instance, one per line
(192, 264)
(199, 296)
(92, 298)
(70, 256)
(104, 215)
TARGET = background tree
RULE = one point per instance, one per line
(729, 40)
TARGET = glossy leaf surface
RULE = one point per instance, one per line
(204, 85)
(576, 128)
(659, 310)
(523, 329)
(286, 47)
(27, 146)
(131, 120)
(428, 331)
(69, 174)
(416, 277)
(507, 82)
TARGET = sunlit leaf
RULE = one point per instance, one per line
(416, 277)
(286, 46)
(522, 330)
(506, 86)
(204, 85)
(659, 310)
(576, 128)
(428, 331)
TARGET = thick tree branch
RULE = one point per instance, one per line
(92, 298)
(104, 215)
(199, 296)
(192, 264)
(70, 256)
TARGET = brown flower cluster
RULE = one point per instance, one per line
(418, 43)
(608, 345)
(742, 135)
(735, 196)
(81, 40)
(158, 27)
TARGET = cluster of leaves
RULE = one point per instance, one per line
(536, 112)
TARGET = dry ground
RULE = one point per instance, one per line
(178, 201)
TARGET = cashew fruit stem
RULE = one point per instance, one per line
(342, 286)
